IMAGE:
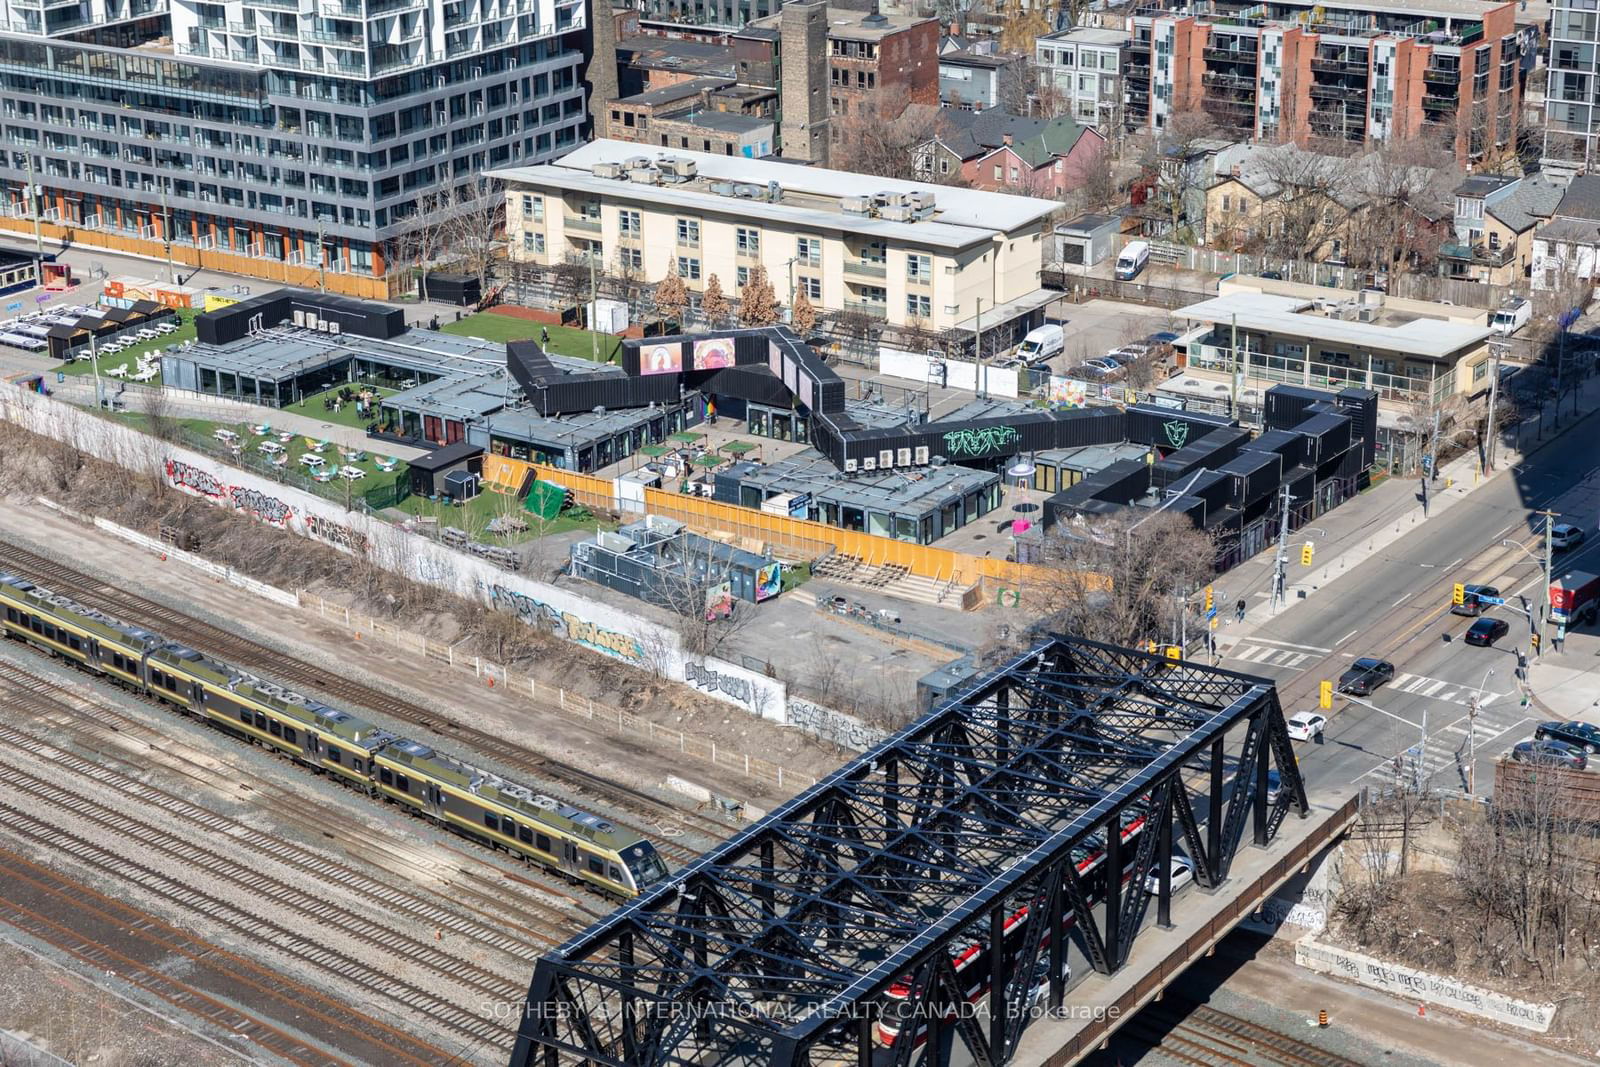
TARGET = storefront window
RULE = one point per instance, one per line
(905, 528)
(802, 430)
(878, 524)
(950, 517)
(926, 537)
(973, 508)
(829, 513)
(854, 518)
(757, 421)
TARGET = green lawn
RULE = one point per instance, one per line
(312, 407)
(130, 355)
(474, 516)
(565, 340)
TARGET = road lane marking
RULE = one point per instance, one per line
(1288, 644)
(1402, 600)
(1346, 637)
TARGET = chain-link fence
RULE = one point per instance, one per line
(18, 1052)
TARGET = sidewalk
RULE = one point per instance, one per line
(1359, 529)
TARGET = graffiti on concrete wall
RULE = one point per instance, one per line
(187, 476)
(336, 534)
(261, 506)
(833, 726)
(565, 624)
(703, 676)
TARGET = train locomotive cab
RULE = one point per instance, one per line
(643, 865)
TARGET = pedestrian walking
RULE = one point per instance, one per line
(544, 337)
(1238, 609)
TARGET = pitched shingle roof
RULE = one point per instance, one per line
(970, 134)
(1582, 198)
(1535, 198)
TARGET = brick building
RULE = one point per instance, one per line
(1355, 70)
(876, 64)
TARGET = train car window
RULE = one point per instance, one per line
(261, 721)
(596, 867)
(333, 755)
(541, 842)
(244, 716)
(11, 614)
(274, 728)
(616, 873)
(72, 639)
(49, 632)
(525, 833)
(384, 776)
(491, 820)
(402, 783)
(290, 735)
(36, 626)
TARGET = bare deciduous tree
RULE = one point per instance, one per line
(1303, 201)
(427, 232)
(477, 226)
(1406, 194)
(1116, 579)
(1175, 172)
(875, 142)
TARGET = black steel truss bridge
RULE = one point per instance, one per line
(893, 908)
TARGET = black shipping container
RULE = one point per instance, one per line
(1192, 507)
(458, 289)
(1291, 446)
(1212, 450)
(1214, 487)
(1285, 405)
(1168, 429)
(725, 483)
(1122, 482)
(1362, 405)
(1255, 475)
(1224, 522)
(1301, 482)
(1326, 436)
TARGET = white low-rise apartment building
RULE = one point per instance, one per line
(907, 252)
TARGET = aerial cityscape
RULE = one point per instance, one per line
(826, 533)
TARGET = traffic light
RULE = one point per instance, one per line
(1305, 554)
(1325, 696)
(1458, 594)
(1151, 646)
(1533, 639)
(1208, 600)
(1174, 652)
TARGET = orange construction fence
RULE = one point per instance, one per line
(800, 537)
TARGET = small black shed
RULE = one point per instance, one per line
(428, 472)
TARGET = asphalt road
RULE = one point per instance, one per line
(1396, 606)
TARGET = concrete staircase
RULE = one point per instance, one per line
(890, 579)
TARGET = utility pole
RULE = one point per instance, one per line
(322, 258)
(1233, 368)
(1495, 348)
(166, 231)
(1544, 600)
(594, 309)
(38, 234)
(1281, 564)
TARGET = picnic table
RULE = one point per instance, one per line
(506, 524)
(388, 464)
(685, 437)
(271, 448)
(311, 459)
(225, 436)
(352, 473)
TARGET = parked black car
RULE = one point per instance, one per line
(1365, 675)
(1470, 605)
(1557, 753)
(1486, 631)
(1580, 735)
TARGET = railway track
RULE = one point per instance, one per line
(660, 821)
(112, 936)
(1204, 1036)
(511, 923)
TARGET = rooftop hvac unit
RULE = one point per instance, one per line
(897, 213)
(299, 318)
(722, 188)
(635, 162)
(325, 326)
(849, 466)
(311, 320)
(921, 200)
(899, 198)
(855, 205)
(334, 327)
(774, 192)
(1368, 313)
(748, 192)
(869, 463)
(645, 175)
(675, 169)
(882, 197)
(606, 170)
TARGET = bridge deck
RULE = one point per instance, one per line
(1200, 920)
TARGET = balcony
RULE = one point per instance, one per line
(1435, 76)
(1478, 253)
(876, 310)
(1230, 81)
(866, 268)
(1339, 66)
(581, 222)
(1230, 55)
(1438, 103)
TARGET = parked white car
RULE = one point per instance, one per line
(1182, 874)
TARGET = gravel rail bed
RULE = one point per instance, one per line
(272, 663)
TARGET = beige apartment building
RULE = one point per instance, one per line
(905, 252)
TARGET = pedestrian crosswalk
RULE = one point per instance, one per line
(1269, 656)
(1439, 689)
(1449, 748)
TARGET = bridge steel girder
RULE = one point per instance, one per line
(851, 901)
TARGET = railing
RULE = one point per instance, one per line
(1231, 55)
(1437, 103)
(866, 268)
(1441, 77)
(1339, 66)
(867, 308)
(579, 222)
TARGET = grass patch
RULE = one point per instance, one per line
(474, 516)
(564, 340)
(311, 407)
(130, 356)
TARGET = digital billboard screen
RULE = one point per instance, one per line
(661, 358)
(713, 353)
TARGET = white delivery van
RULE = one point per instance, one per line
(1512, 317)
(1041, 343)
(1132, 260)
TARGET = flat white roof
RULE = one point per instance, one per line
(962, 217)
(1266, 313)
